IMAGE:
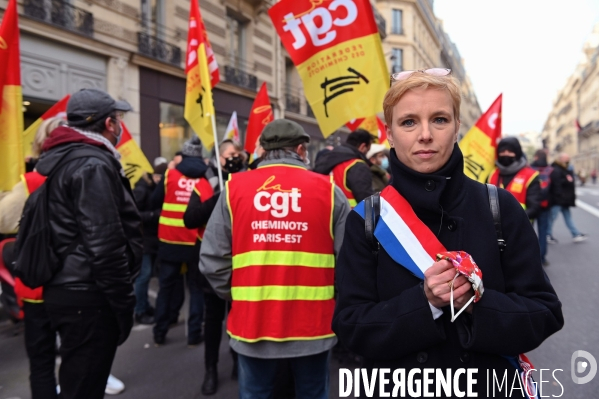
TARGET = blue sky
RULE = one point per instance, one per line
(523, 48)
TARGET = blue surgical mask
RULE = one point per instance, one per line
(256, 156)
(385, 163)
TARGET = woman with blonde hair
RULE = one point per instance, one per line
(430, 288)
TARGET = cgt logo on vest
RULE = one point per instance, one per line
(187, 186)
(278, 203)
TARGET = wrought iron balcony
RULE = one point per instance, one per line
(62, 14)
(292, 103)
(236, 74)
(151, 46)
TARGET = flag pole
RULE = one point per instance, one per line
(217, 153)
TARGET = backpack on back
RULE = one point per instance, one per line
(36, 261)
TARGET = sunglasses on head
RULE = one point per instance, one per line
(403, 75)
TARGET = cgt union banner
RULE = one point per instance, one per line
(336, 48)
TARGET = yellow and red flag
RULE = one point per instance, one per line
(336, 48)
(12, 162)
(58, 109)
(260, 116)
(372, 124)
(479, 145)
(232, 132)
(202, 75)
(133, 159)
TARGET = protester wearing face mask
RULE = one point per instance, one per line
(257, 156)
(513, 173)
(379, 164)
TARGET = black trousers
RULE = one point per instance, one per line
(89, 339)
(40, 342)
(213, 328)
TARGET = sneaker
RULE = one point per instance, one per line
(144, 319)
(114, 386)
(192, 342)
(551, 240)
(580, 238)
(159, 340)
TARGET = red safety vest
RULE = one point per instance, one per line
(519, 184)
(340, 177)
(177, 191)
(204, 190)
(32, 181)
(283, 254)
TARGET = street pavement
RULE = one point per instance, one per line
(176, 371)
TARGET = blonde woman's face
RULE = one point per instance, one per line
(423, 129)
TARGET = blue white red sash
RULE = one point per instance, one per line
(411, 244)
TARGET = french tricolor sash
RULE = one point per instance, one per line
(411, 244)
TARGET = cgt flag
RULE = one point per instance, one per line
(199, 108)
(58, 109)
(12, 164)
(336, 48)
(372, 124)
(260, 116)
(479, 145)
(133, 159)
(232, 132)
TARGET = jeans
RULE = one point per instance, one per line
(311, 375)
(555, 210)
(543, 230)
(213, 325)
(170, 276)
(88, 337)
(40, 341)
(142, 284)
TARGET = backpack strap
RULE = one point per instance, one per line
(494, 205)
(372, 210)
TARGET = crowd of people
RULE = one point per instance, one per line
(278, 254)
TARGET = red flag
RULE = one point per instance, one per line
(58, 109)
(12, 163)
(260, 116)
(198, 30)
(373, 125)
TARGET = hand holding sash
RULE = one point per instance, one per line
(437, 287)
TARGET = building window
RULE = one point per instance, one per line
(174, 129)
(237, 42)
(396, 22)
(397, 60)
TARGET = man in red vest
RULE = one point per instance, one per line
(349, 167)
(513, 173)
(270, 247)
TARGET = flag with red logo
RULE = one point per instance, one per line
(12, 164)
(372, 124)
(202, 75)
(260, 116)
(336, 47)
(133, 159)
(232, 132)
(59, 109)
(479, 145)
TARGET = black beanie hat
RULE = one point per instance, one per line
(511, 144)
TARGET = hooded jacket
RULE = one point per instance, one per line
(383, 313)
(91, 204)
(562, 190)
(359, 178)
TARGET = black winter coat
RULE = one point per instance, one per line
(562, 187)
(359, 178)
(91, 203)
(149, 216)
(383, 314)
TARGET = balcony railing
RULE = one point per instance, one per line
(156, 48)
(292, 103)
(236, 73)
(62, 14)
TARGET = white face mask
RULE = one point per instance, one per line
(307, 158)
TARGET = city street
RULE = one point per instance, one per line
(176, 371)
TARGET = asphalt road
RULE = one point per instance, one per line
(176, 371)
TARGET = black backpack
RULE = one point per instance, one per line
(36, 262)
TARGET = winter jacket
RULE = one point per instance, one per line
(544, 170)
(91, 204)
(383, 313)
(380, 178)
(562, 188)
(193, 168)
(11, 208)
(149, 216)
(359, 178)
